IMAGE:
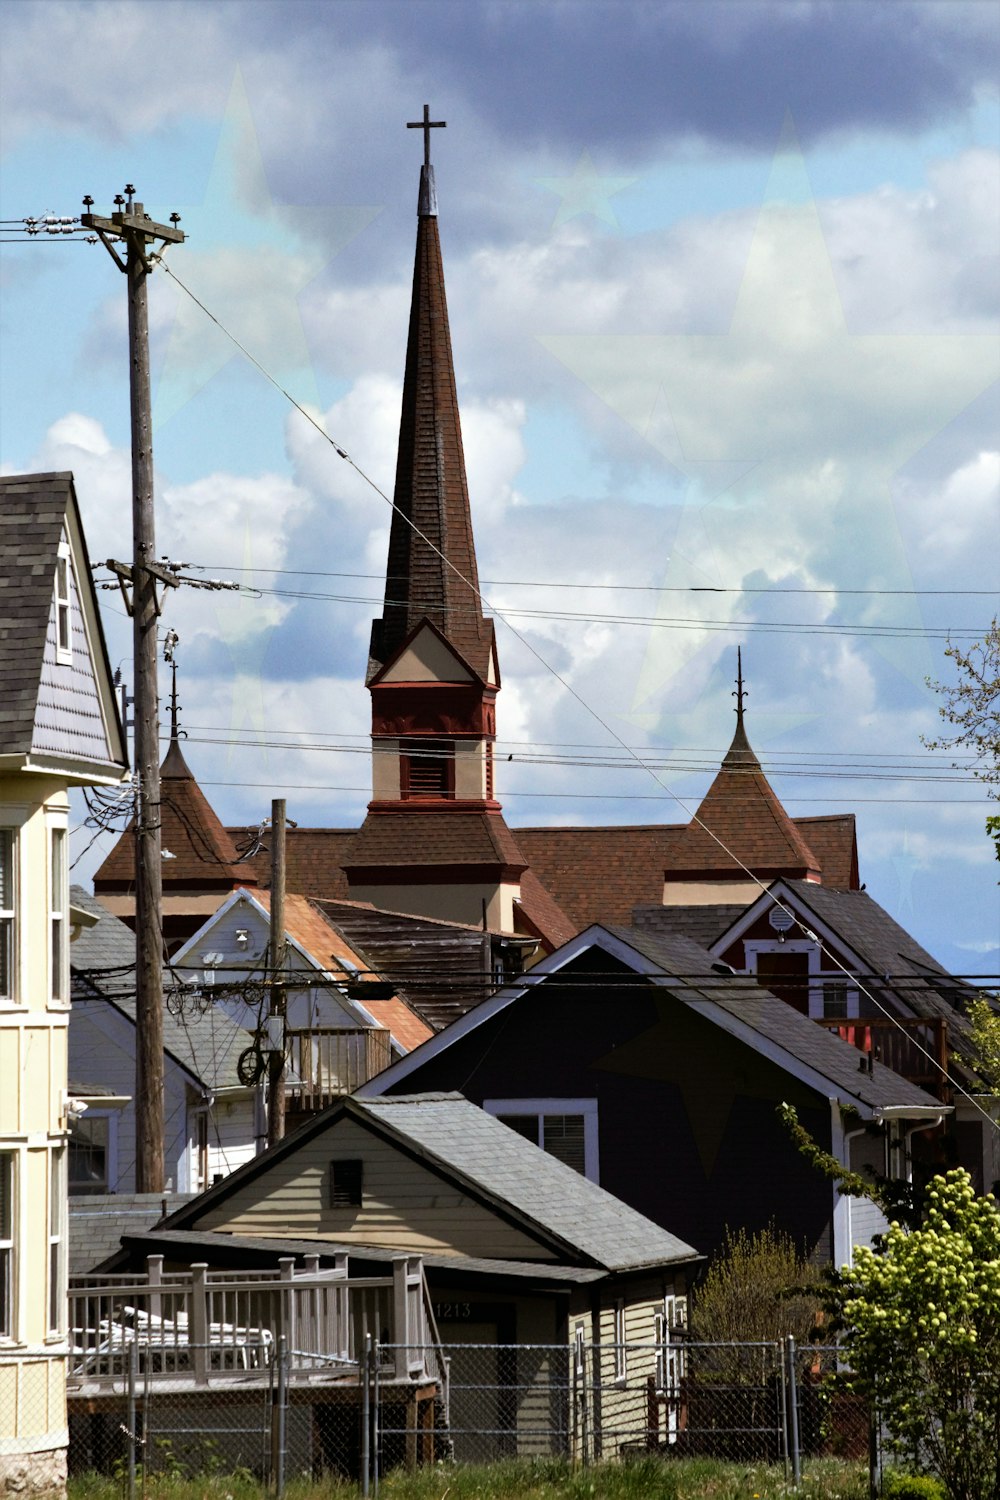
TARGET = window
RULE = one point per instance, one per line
(89, 1154)
(621, 1363)
(346, 1181)
(7, 899)
(834, 1000)
(58, 902)
(565, 1128)
(427, 769)
(57, 1240)
(64, 625)
(6, 1244)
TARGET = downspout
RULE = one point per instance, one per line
(840, 1140)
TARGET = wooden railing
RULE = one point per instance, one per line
(324, 1063)
(915, 1048)
(220, 1327)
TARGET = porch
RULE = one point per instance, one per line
(201, 1329)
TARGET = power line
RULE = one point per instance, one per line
(645, 588)
(560, 678)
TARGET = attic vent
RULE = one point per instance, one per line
(779, 919)
(346, 1180)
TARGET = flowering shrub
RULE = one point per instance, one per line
(922, 1336)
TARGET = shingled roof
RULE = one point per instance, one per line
(749, 824)
(203, 854)
(433, 579)
(207, 1044)
(55, 702)
(441, 838)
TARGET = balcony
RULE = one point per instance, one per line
(325, 1063)
(916, 1049)
(198, 1329)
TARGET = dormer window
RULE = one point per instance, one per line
(427, 770)
(64, 624)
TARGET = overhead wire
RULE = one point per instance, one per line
(553, 671)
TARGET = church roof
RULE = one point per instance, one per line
(741, 823)
(431, 572)
(438, 838)
(203, 852)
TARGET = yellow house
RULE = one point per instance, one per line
(58, 729)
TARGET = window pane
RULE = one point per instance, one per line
(834, 999)
(88, 1155)
(526, 1125)
(563, 1138)
(6, 870)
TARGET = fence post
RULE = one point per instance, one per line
(280, 1416)
(365, 1398)
(199, 1322)
(793, 1413)
(377, 1420)
(133, 1360)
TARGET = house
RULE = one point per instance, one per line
(655, 1071)
(58, 729)
(518, 1249)
(216, 1035)
(213, 1121)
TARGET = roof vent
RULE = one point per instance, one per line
(780, 919)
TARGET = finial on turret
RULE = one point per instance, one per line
(741, 691)
(169, 648)
(427, 202)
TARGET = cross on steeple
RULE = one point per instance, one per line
(426, 125)
(740, 692)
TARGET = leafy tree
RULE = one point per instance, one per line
(985, 1037)
(971, 705)
(921, 1321)
(753, 1291)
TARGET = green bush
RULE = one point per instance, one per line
(899, 1486)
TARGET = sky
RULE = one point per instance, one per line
(722, 284)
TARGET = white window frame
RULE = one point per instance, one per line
(9, 849)
(110, 1117)
(621, 1352)
(57, 1242)
(58, 870)
(64, 604)
(818, 976)
(542, 1107)
(8, 1251)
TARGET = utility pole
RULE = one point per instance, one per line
(131, 226)
(276, 1058)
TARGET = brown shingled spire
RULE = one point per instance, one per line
(741, 809)
(431, 488)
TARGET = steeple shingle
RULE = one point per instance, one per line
(434, 579)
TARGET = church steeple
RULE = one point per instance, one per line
(434, 841)
(431, 573)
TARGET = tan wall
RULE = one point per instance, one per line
(709, 892)
(406, 1206)
(385, 771)
(33, 1081)
(451, 902)
(427, 659)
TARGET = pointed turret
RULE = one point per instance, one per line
(200, 860)
(747, 820)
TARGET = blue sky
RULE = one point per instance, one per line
(723, 292)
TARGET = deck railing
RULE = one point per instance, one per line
(326, 1062)
(915, 1048)
(220, 1327)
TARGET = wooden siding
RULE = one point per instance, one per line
(406, 1206)
(689, 1132)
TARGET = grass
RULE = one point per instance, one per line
(543, 1479)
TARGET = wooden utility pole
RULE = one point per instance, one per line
(276, 1058)
(131, 226)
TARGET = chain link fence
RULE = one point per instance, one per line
(585, 1402)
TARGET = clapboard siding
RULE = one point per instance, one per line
(406, 1206)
